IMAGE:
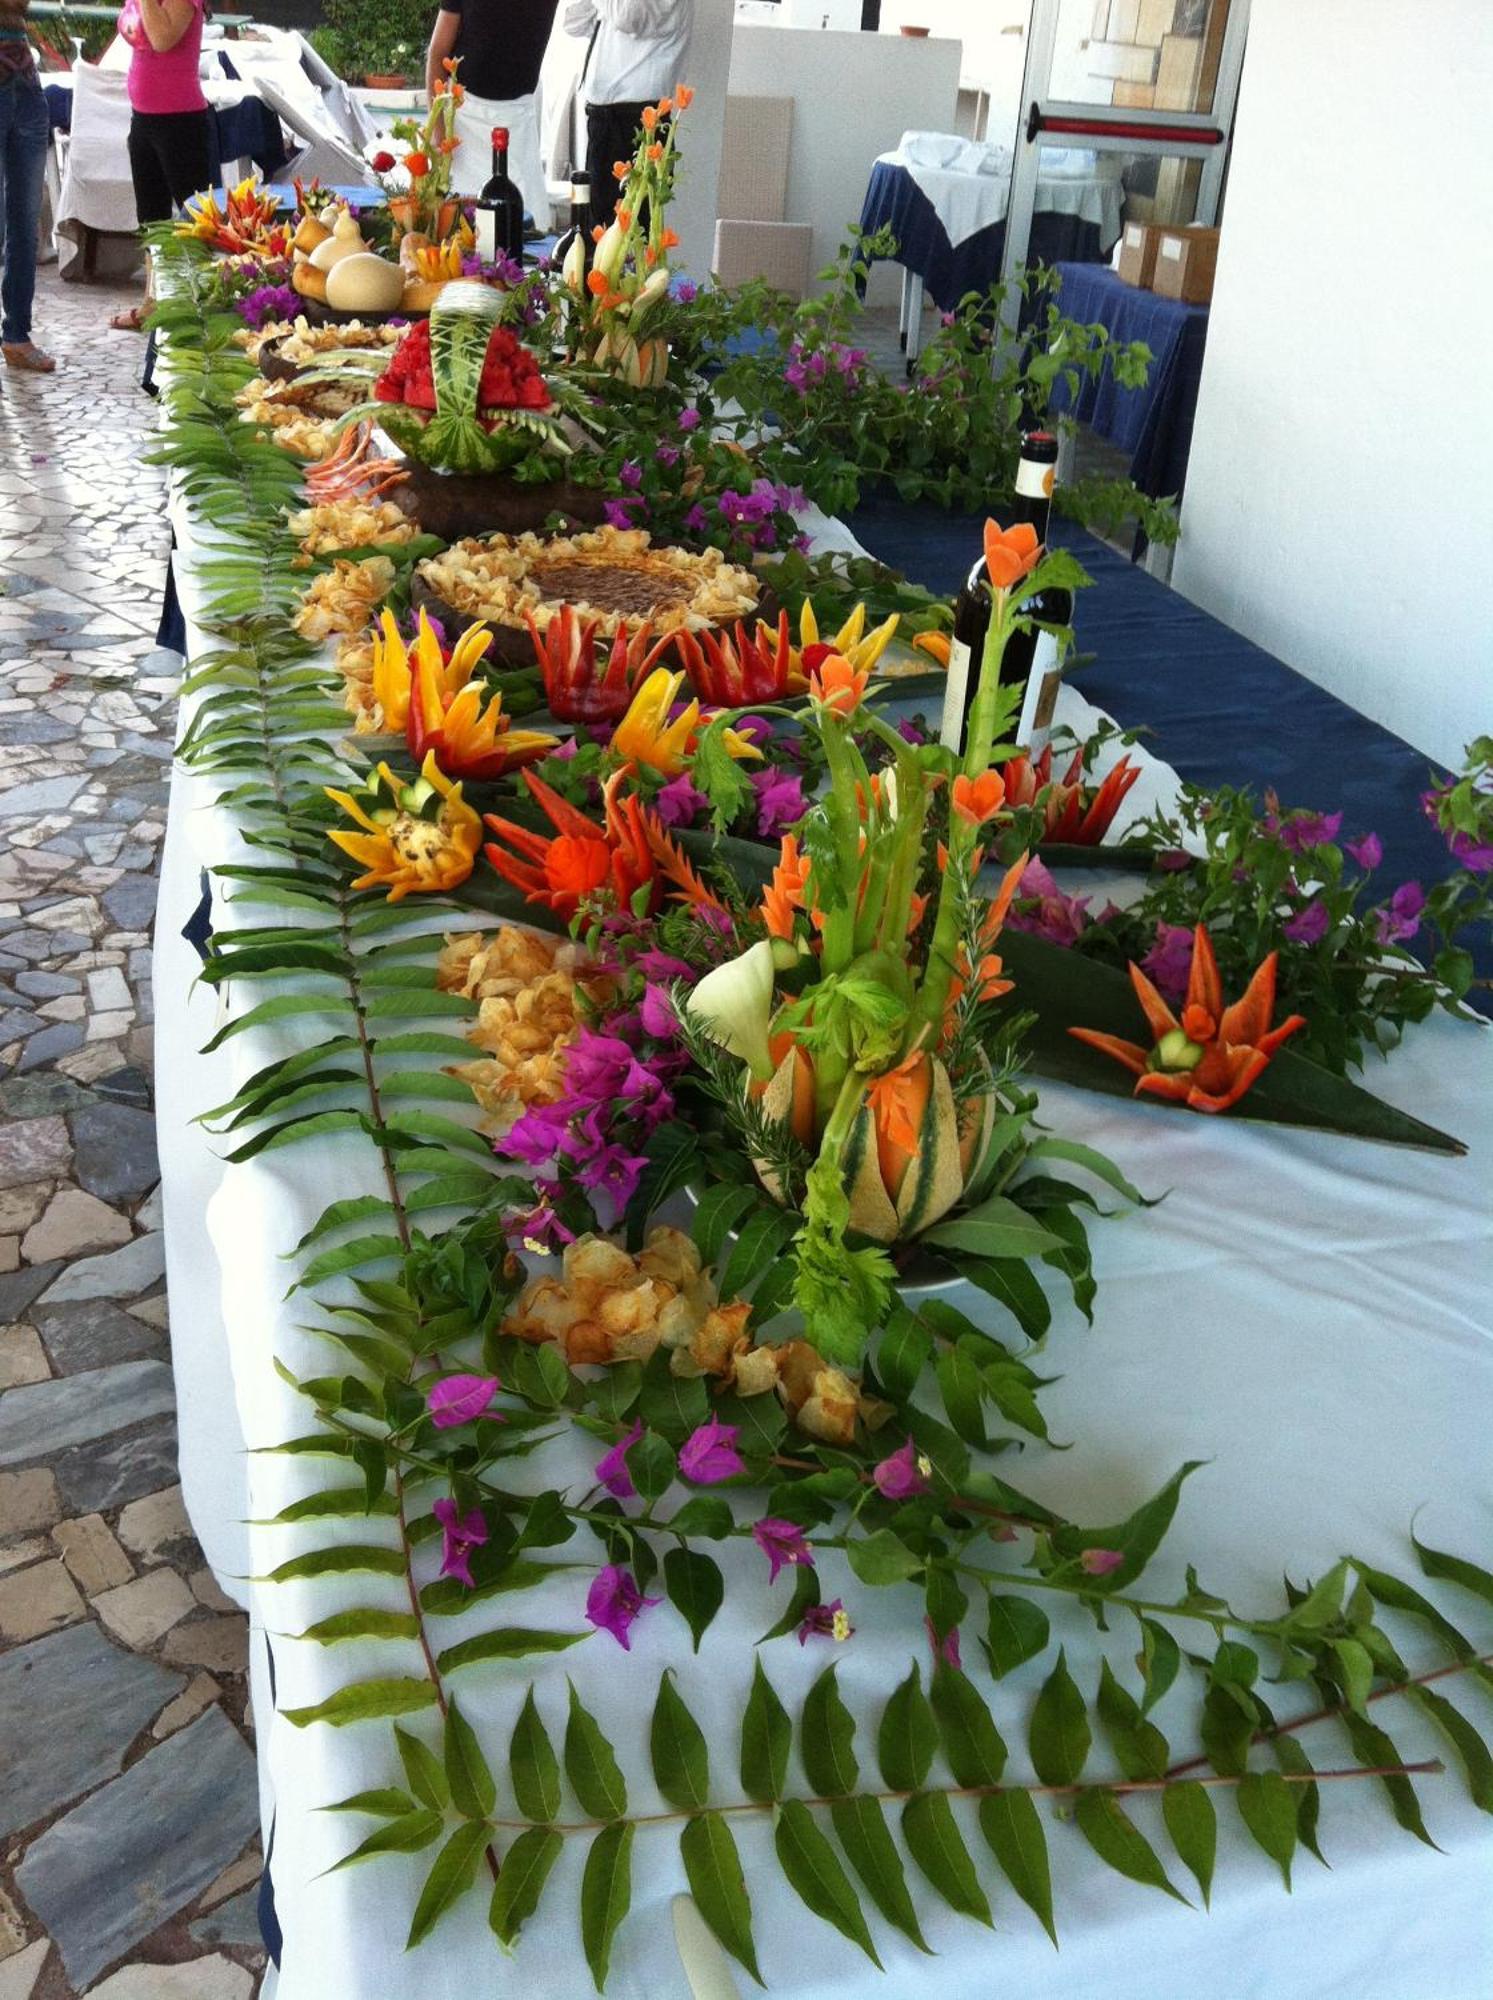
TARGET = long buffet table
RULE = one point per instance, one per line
(1306, 1314)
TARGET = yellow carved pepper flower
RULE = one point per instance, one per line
(646, 736)
(395, 665)
(415, 838)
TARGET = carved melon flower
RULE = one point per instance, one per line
(414, 838)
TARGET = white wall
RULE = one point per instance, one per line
(693, 210)
(1339, 504)
(854, 96)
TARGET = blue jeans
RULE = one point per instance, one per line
(25, 131)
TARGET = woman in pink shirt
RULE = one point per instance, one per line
(170, 139)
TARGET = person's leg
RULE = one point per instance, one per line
(186, 154)
(611, 134)
(152, 197)
(25, 168)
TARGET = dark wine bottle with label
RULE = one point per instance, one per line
(498, 218)
(1031, 658)
(579, 229)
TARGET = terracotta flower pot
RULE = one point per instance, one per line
(394, 81)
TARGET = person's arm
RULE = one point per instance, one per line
(442, 42)
(14, 8)
(165, 22)
(580, 17)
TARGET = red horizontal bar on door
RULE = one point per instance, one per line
(1099, 128)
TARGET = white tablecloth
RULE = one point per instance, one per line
(1308, 1314)
(968, 184)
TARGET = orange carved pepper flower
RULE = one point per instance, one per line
(1010, 552)
(835, 683)
(656, 151)
(671, 241)
(621, 169)
(416, 164)
(1212, 1056)
(977, 799)
(684, 96)
(785, 892)
(650, 117)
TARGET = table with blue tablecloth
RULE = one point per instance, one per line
(950, 225)
(1152, 423)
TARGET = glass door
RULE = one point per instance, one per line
(1126, 111)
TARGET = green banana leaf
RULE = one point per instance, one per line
(1066, 990)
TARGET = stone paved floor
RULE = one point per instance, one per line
(128, 1813)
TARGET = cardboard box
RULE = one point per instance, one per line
(1177, 72)
(1134, 96)
(1185, 263)
(1137, 254)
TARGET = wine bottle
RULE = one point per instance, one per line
(498, 218)
(579, 231)
(1031, 658)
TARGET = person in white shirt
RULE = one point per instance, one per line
(638, 52)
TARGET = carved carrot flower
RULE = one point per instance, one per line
(1010, 553)
(835, 683)
(784, 894)
(977, 799)
(1212, 1056)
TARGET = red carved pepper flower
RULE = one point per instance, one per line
(581, 682)
(1071, 813)
(629, 851)
(1209, 1058)
(739, 671)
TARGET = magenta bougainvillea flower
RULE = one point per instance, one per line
(613, 1603)
(460, 1399)
(1100, 1562)
(1399, 920)
(826, 1621)
(901, 1475)
(1476, 856)
(1309, 925)
(611, 1467)
(460, 1534)
(1302, 830)
(709, 1455)
(1368, 851)
(783, 1543)
(1169, 961)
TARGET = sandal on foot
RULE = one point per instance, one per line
(27, 355)
(129, 320)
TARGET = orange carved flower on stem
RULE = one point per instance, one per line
(1010, 552)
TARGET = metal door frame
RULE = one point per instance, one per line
(1105, 128)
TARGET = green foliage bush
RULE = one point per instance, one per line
(375, 37)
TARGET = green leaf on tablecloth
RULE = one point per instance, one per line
(1074, 1259)
(703, 1514)
(344, 1561)
(423, 1769)
(353, 1256)
(1455, 1569)
(1016, 1631)
(670, 1403)
(720, 1208)
(427, 1125)
(1159, 1659)
(1092, 1162)
(366, 1701)
(431, 1084)
(815, 1873)
(676, 1744)
(869, 1848)
(1293, 1759)
(365, 1624)
(972, 1745)
(534, 1770)
(908, 1736)
(653, 1466)
(424, 1042)
(826, 1740)
(606, 1896)
(332, 1503)
(1066, 989)
(1372, 1747)
(1013, 1831)
(904, 1350)
(591, 1765)
(1355, 1669)
(766, 1738)
(1141, 1751)
(284, 1007)
(342, 1215)
(1058, 1736)
(1015, 1286)
(713, 1869)
(408, 1835)
(962, 1387)
(515, 1642)
(1137, 1538)
(526, 1869)
(386, 1802)
(474, 1792)
(1268, 1810)
(318, 1125)
(430, 1004)
(695, 1589)
(764, 1237)
(1227, 1727)
(1117, 1840)
(449, 1881)
(995, 1229)
(937, 1846)
(1471, 1750)
(882, 1558)
(1008, 1388)
(1192, 1823)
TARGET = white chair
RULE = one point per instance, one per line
(752, 240)
(324, 153)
